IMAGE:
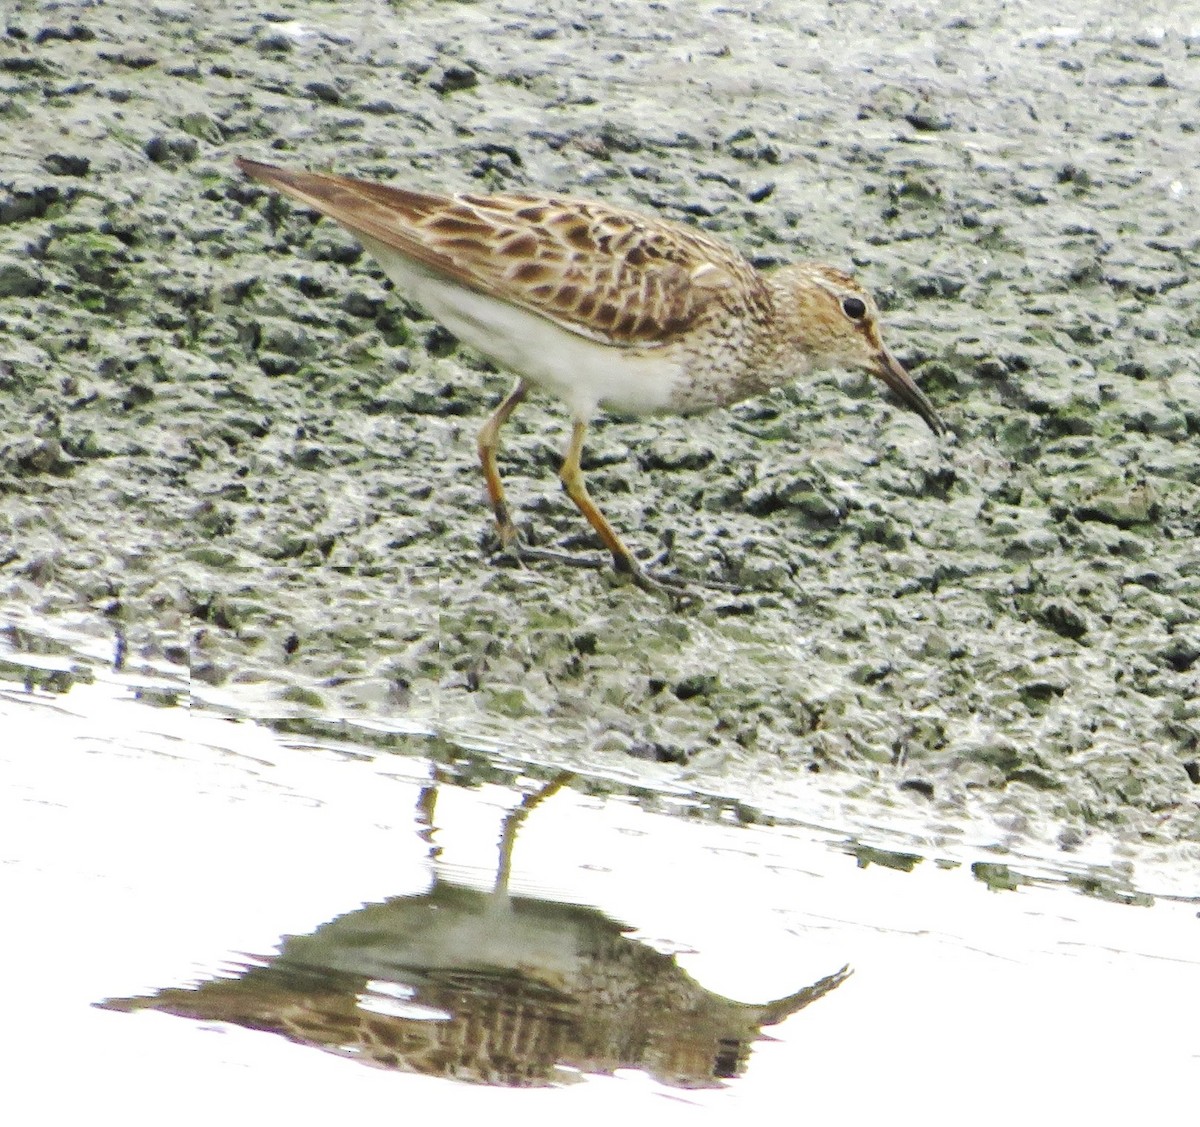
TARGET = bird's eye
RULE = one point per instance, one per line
(854, 308)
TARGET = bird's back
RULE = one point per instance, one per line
(603, 272)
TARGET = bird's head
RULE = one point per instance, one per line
(841, 321)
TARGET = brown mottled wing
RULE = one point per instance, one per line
(596, 270)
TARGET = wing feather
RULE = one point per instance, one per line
(596, 270)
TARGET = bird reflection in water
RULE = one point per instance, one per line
(488, 987)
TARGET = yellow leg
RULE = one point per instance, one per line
(489, 442)
(508, 835)
(572, 479)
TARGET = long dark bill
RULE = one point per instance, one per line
(893, 374)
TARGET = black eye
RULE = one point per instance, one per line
(854, 308)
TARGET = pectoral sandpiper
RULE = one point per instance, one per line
(603, 307)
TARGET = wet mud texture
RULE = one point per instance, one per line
(223, 433)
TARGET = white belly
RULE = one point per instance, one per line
(583, 373)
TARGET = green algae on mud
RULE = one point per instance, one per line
(224, 434)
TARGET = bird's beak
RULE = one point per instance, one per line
(889, 369)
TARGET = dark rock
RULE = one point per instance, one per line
(172, 150)
(76, 33)
(1181, 653)
(20, 277)
(67, 164)
(455, 77)
(324, 92)
(1062, 618)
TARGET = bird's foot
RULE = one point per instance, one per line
(681, 592)
(508, 548)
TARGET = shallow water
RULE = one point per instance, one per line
(177, 857)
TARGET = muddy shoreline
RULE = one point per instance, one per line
(225, 436)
